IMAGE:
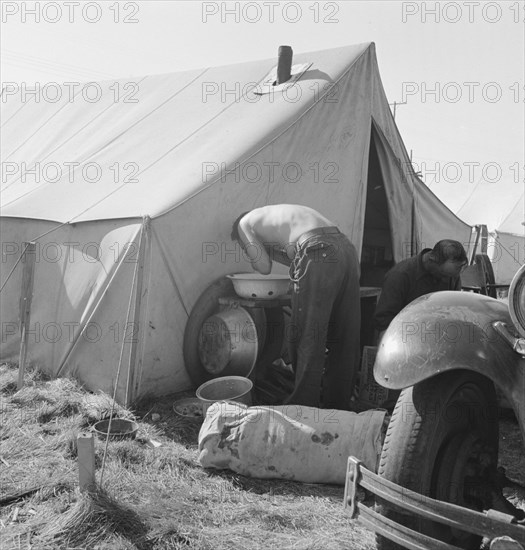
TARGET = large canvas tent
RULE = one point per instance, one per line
(129, 191)
(500, 205)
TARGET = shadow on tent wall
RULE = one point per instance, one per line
(376, 255)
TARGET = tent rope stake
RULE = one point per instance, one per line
(128, 315)
(86, 461)
(26, 296)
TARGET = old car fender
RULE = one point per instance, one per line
(446, 331)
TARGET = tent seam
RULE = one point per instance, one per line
(58, 147)
(170, 273)
(82, 163)
(38, 129)
(303, 114)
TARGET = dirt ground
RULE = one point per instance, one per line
(512, 458)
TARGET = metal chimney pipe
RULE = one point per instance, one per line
(284, 64)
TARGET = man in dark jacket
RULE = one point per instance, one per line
(429, 271)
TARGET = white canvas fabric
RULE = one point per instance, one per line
(142, 188)
(500, 205)
(289, 442)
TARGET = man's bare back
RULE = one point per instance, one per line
(326, 312)
(278, 225)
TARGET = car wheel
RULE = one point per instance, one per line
(269, 323)
(442, 442)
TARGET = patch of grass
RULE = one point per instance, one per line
(156, 497)
(513, 461)
(151, 497)
(94, 517)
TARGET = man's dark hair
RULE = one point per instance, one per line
(448, 249)
(235, 227)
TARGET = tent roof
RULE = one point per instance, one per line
(514, 222)
(143, 147)
(499, 205)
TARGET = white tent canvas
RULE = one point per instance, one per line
(501, 207)
(130, 200)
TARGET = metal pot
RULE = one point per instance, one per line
(225, 388)
(121, 428)
(228, 343)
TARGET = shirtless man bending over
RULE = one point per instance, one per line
(324, 270)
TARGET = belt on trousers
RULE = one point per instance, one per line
(318, 231)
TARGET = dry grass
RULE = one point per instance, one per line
(152, 497)
(513, 460)
(155, 498)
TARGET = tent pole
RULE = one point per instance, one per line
(475, 247)
(136, 333)
(28, 259)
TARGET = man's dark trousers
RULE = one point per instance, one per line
(326, 314)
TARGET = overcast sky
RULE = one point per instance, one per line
(455, 68)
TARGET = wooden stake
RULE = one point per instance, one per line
(86, 461)
(28, 260)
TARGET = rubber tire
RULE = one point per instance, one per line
(488, 271)
(207, 305)
(416, 435)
